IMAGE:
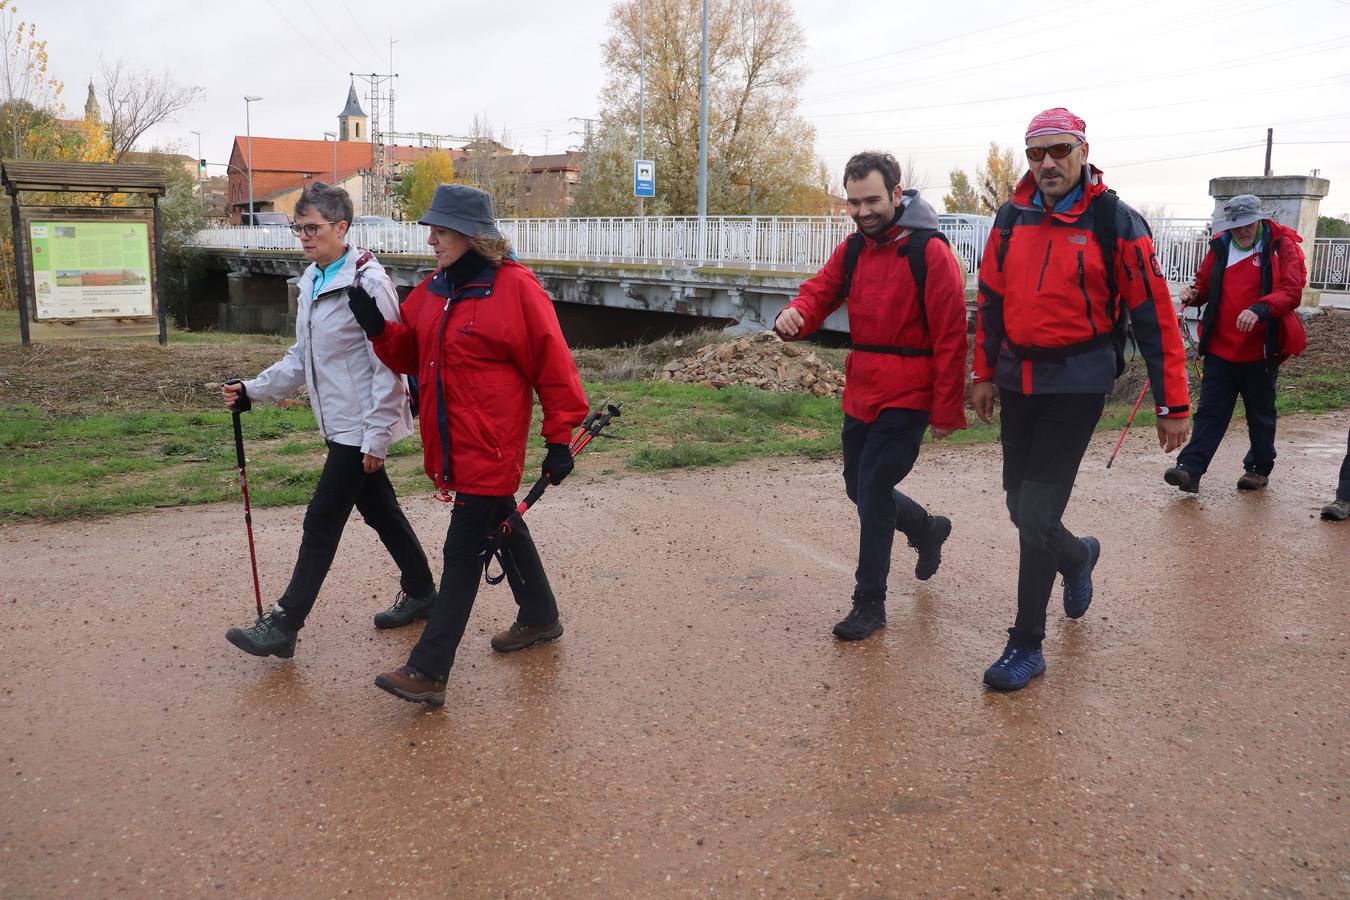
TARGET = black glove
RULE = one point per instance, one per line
(368, 315)
(241, 402)
(558, 463)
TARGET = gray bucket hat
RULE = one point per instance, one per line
(1243, 209)
(464, 209)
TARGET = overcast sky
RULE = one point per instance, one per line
(1174, 92)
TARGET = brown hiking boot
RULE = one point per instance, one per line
(1336, 511)
(1251, 481)
(519, 636)
(1183, 480)
(410, 684)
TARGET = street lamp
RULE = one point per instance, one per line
(333, 135)
(248, 132)
(201, 188)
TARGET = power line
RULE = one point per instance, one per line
(303, 36)
(1175, 25)
(1248, 61)
(324, 22)
(359, 29)
(1188, 155)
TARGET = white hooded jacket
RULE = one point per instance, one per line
(357, 400)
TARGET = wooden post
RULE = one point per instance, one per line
(159, 279)
(19, 279)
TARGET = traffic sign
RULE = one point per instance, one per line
(644, 178)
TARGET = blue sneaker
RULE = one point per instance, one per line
(1078, 585)
(1015, 668)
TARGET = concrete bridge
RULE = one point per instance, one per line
(736, 269)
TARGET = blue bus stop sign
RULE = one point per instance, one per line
(644, 178)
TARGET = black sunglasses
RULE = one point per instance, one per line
(1056, 151)
(309, 228)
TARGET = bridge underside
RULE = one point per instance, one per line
(261, 294)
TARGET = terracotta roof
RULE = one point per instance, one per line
(291, 155)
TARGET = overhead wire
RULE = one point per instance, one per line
(304, 36)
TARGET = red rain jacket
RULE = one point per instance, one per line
(882, 310)
(479, 354)
(1280, 332)
(1051, 292)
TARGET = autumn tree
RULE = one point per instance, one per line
(136, 100)
(760, 150)
(997, 178)
(962, 197)
(606, 184)
(31, 95)
(413, 194)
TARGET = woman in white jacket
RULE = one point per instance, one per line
(361, 407)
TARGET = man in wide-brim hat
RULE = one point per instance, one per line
(1250, 284)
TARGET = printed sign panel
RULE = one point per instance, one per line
(89, 269)
(644, 178)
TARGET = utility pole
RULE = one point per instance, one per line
(333, 135)
(249, 100)
(703, 130)
(376, 192)
(642, 92)
(1270, 139)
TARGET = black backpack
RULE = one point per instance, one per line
(916, 249)
(1104, 231)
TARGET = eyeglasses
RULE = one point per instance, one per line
(309, 228)
(1056, 151)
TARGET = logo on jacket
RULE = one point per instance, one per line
(466, 328)
(1078, 239)
(1155, 265)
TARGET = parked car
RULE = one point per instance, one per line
(273, 230)
(381, 234)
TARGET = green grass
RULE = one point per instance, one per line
(60, 466)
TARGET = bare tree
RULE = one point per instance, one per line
(136, 100)
(490, 165)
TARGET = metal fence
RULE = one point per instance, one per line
(757, 243)
(1329, 264)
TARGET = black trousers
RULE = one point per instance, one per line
(877, 456)
(471, 520)
(342, 485)
(1220, 387)
(1343, 489)
(1044, 438)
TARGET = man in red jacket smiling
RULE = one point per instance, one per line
(1064, 259)
(907, 322)
(1250, 283)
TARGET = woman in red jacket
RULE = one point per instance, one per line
(482, 336)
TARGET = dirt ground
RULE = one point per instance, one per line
(697, 731)
(106, 376)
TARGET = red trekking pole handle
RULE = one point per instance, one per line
(248, 511)
(1128, 423)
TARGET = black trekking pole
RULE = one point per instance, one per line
(243, 405)
(591, 426)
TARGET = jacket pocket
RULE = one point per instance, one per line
(1087, 300)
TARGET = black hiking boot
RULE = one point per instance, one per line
(930, 547)
(1183, 480)
(405, 610)
(268, 636)
(866, 617)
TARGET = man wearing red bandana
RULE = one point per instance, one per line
(1066, 263)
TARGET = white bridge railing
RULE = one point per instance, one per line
(756, 243)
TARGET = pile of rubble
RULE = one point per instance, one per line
(761, 360)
